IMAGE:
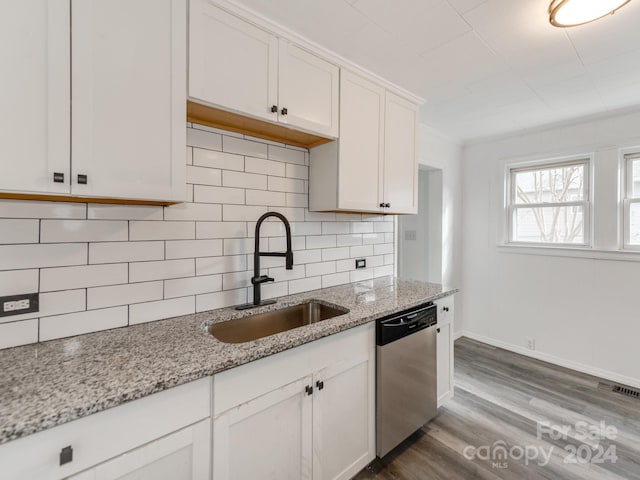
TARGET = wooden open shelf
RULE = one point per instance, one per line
(214, 117)
(62, 198)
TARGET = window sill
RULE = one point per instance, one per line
(575, 252)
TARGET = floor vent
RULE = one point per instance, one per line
(629, 392)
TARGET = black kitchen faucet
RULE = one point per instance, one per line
(257, 280)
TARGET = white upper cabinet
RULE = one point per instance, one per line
(244, 69)
(35, 96)
(400, 163)
(372, 167)
(232, 64)
(129, 94)
(307, 91)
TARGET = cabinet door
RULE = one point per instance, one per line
(129, 93)
(34, 101)
(232, 64)
(308, 90)
(183, 455)
(400, 161)
(266, 438)
(343, 419)
(445, 346)
(360, 144)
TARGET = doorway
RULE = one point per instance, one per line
(420, 236)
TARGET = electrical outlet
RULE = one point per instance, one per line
(531, 343)
(19, 304)
(361, 262)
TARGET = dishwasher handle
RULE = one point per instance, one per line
(394, 328)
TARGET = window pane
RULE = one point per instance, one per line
(635, 180)
(549, 224)
(550, 185)
(634, 224)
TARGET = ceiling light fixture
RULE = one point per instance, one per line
(569, 13)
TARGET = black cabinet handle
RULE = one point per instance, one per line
(382, 205)
(387, 205)
(438, 330)
(274, 108)
(308, 389)
(320, 385)
(66, 455)
(58, 177)
(445, 309)
(82, 179)
(284, 111)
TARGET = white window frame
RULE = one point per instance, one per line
(629, 157)
(586, 203)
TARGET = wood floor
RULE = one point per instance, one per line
(506, 398)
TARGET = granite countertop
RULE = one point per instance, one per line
(48, 384)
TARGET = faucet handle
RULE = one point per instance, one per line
(261, 279)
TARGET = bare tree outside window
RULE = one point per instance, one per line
(549, 203)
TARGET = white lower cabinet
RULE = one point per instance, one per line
(165, 436)
(307, 413)
(445, 348)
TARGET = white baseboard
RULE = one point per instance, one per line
(545, 357)
(460, 333)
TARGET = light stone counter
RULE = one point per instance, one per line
(51, 383)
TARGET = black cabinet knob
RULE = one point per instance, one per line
(58, 177)
(66, 455)
(284, 111)
(320, 385)
(274, 108)
(382, 205)
(82, 179)
(387, 205)
(308, 389)
(446, 309)
(438, 330)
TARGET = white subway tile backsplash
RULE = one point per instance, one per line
(62, 326)
(181, 287)
(16, 282)
(304, 284)
(98, 211)
(264, 167)
(211, 301)
(244, 180)
(15, 257)
(223, 195)
(65, 278)
(125, 252)
(291, 185)
(204, 176)
(193, 211)
(262, 197)
(161, 270)
(221, 230)
(321, 241)
(215, 130)
(211, 265)
(58, 231)
(335, 279)
(193, 248)
(151, 311)
(14, 334)
(100, 266)
(224, 161)
(31, 209)
(297, 171)
(20, 230)
(143, 230)
(203, 139)
(244, 147)
(323, 268)
(287, 155)
(100, 297)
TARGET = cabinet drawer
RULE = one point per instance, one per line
(249, 381)
(104, 435)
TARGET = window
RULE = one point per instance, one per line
(632, 201)
(549, 203)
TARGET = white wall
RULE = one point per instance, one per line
(582, 312)
(439, 151)
(105, 266)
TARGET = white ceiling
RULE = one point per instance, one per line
(486, 67)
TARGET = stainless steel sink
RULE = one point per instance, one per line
(264, 324)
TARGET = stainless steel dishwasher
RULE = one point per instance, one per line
(406, 396)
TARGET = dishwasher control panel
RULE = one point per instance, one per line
(398, 325)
